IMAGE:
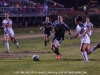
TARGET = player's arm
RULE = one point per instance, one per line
(54, 24)
(91, 26)
(80, 36)
(67, 28)
(74, 37)
(41, 27)
(70, 32)
(8, 25)
(3, 25)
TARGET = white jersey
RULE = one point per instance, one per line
(80, 30)
(89, 25)
(8, 30)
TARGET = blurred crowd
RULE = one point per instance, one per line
(22, 6)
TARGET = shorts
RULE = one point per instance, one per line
(10, 33)
(85, 39)
(58, 40)
(47, 33)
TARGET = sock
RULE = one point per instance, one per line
(45, 43)
(93, 49)
(84, 54)
(16, 42)
(57, 51)
(7, 46)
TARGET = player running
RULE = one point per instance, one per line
(89, 25)
(8, 32)
(47, 27)
(82, 34)
(59, 29)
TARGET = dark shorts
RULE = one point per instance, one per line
(59, 40)
(48, 33)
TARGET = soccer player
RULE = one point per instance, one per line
(8, 32)
(47, 27)
(59, 28)
(89, 25)
(82, 34)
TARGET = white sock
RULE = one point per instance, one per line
(17, 43)
(84, 54)
(93, 49)
(7, 46)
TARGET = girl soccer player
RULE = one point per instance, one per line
(59, 29)
(89, 25)
(47, 27)
(8, 32)
(82, 34)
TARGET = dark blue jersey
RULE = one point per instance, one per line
(60, 29)
(47, 26)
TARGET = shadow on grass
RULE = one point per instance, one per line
(65, 59)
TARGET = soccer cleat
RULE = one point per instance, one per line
(17, 45)
(98, 45)
(58, 56)
(8, 51)
(87, 61)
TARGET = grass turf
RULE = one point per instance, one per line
(71, 62)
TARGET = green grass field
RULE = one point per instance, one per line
(19, 61)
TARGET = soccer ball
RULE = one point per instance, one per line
(31, 31)
(35, 57)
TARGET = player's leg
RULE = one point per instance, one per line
(15, 41)
(12, 36)
(6, 36)
(48, 36)
(56, 45)
(45, 39)
(95, 47)
(88, 50)
(53, 47)
(83, 50)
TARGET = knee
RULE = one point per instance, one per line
(6, 41)
(82, 50)
(88, 53)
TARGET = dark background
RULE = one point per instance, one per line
(74, 3)
(70, 3)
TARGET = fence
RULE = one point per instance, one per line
(29, 15)
(30, 11)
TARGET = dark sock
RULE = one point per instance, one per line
(15, 41)
(45, 43)
(57, 51)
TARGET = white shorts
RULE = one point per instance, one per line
(9, 32)
(85, 39)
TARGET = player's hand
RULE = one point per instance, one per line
(40, 28)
